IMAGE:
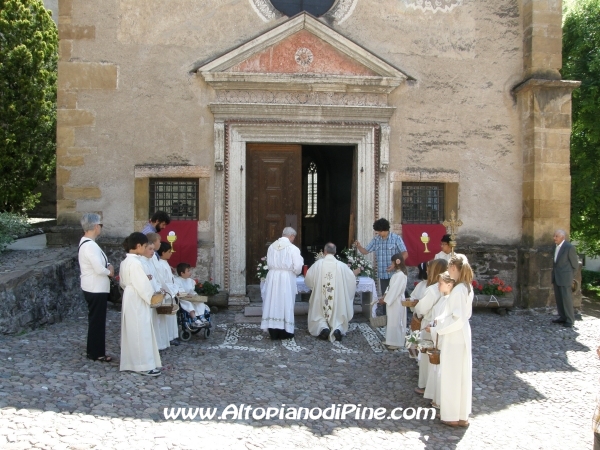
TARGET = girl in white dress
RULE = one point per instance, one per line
(455, 334)
(396, 313)
(432, 389)
(424, 311)
(139, 352)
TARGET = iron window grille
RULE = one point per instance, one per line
(422, 203)
(177, 197)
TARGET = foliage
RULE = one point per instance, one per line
(11, 226)
(262, 268)
(412, 338)
(207, 288)
(590, 277)
(356, 260)
(495, 287)
(28, 73)
(581, 61)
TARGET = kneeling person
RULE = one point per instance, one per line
(331, 304)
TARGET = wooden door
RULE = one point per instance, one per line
(273, 198)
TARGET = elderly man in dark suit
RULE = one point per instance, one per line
(565, 263)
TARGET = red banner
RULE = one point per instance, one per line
(184, 240)
(422, 242)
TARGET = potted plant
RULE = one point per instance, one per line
(212, 295)
(494, 294)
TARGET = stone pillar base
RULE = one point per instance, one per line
(238, 302)
(535, 279)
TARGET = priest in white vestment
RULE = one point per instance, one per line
(331, 304)
(285, 262)
(139, 352)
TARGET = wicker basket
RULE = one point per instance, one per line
(168, 309)
(157, 299)
(434, 354)
(409, 303)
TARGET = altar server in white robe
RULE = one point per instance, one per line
(396, 313)
(446, 252)
(158, 322)
(139, 352)
(285, 262)
(167, 281)
(432, 389)
(424, 311)
(331, 304)
(454, 331)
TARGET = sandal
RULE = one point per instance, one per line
(451, 424)
(150, 373)
(104, 358)
(419, 391)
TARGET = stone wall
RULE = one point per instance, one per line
(47, 293)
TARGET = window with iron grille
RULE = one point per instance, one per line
(422, 203)
(178, 197)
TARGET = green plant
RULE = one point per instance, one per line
(11, 226)
(28, 74)
(207, 288)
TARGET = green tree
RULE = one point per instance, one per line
(581, 61)
(28, 73)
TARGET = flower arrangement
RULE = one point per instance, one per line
(412, 338)
(318, 255)
(495, 287)
(355, 260)
(262, 268)
(207, 288)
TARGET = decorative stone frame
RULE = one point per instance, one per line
(230, 183)
(143, 173)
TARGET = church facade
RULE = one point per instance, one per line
(249, 116)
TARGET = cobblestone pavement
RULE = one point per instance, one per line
(534, 388)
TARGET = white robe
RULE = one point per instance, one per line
(432, 390)
(139, 351)
(187, 285)
(285, 262)
(159, 323)
(456, 382)
(396, 313)
(331, 303)
(167, 282)
(425, 309)
(419, 290)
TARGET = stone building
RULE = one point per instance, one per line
(251, 115)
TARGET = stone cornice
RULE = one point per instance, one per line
(223, 111)
(171, 171)
(533, 83)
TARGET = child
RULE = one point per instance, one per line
(432, 390)
(139, 351)
(187, 285)
(456, 382)
(424, 310)
(396, 313)
(419, 290)
(159, 321)
(167, 322)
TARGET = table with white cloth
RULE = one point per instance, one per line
(365, 285)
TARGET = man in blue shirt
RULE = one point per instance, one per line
(385, 244)
(157, 222)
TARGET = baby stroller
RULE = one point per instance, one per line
(187, 327)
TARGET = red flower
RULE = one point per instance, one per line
(508, 289)
(480, 287)
(474, 283)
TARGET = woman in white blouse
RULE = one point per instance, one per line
(95, 283)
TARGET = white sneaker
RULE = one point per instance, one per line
(198, 323)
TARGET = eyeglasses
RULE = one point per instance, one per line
(101, 225)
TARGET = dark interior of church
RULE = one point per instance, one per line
(327, 173)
